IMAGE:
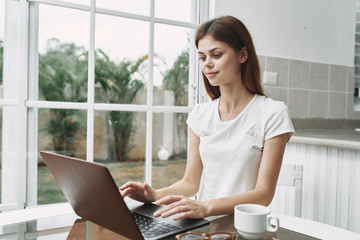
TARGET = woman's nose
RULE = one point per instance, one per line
(208, 63)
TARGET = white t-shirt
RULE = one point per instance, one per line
(231, 151)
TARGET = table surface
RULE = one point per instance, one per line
(62, 227)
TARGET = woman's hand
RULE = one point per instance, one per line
(142, 192)
(182, 206)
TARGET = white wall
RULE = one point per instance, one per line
(311, 30)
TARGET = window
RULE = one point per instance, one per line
(111, 82)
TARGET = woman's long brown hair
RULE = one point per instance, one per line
(232, 31)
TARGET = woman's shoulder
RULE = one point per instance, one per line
(269, 103)
(275, 117)
(202, 116)
(203, 108)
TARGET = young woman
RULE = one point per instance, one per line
(237, 140)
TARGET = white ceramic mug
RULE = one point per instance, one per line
(252, 221)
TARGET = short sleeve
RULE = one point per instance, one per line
(193, 120)
(279, 122)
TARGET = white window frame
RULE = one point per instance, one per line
(20, 59)
(13, 129)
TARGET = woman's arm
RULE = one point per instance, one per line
(187, 186)
(262, 193)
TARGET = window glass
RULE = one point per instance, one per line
(121, 76)
(62, 131)
(174, 10)
(121, 64)
(119, 143)
(171, 65)
(48, 189)
(169, 148)
(63, 47)
(357, 50)
(134, 6)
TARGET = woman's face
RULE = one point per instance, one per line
(219, 62)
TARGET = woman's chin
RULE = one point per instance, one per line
(214, 83)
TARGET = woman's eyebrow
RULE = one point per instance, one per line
(212, 50)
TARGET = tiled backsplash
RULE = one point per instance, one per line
(311, 90)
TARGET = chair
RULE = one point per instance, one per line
(288, 201)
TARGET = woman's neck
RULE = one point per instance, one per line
(232, 102)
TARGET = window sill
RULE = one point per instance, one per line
(32, 213)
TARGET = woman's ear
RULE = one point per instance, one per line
(243, 56)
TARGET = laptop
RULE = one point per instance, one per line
(94, 196)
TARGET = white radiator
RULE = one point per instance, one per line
(331, 185)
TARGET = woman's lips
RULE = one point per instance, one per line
(211, 74)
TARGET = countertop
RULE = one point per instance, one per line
(339, 138)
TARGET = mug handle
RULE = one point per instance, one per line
(270, 227)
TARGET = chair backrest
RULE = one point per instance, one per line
(291, 175)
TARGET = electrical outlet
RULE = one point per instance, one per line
(270, 78)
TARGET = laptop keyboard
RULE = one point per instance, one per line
(151, 227)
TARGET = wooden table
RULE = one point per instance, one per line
(291, 228)
(30, 224)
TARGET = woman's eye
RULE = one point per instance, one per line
(202, 59)
(217, 55)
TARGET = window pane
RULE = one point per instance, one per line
(61, 131)
(357, 38)
(169, 148)
(119, 143)
(357, 28)
(121, 68)
(171, 68)
(357, 81)
(357, 49)
(174, 10)
(63, 54)
(357, 60)
(134, 6)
